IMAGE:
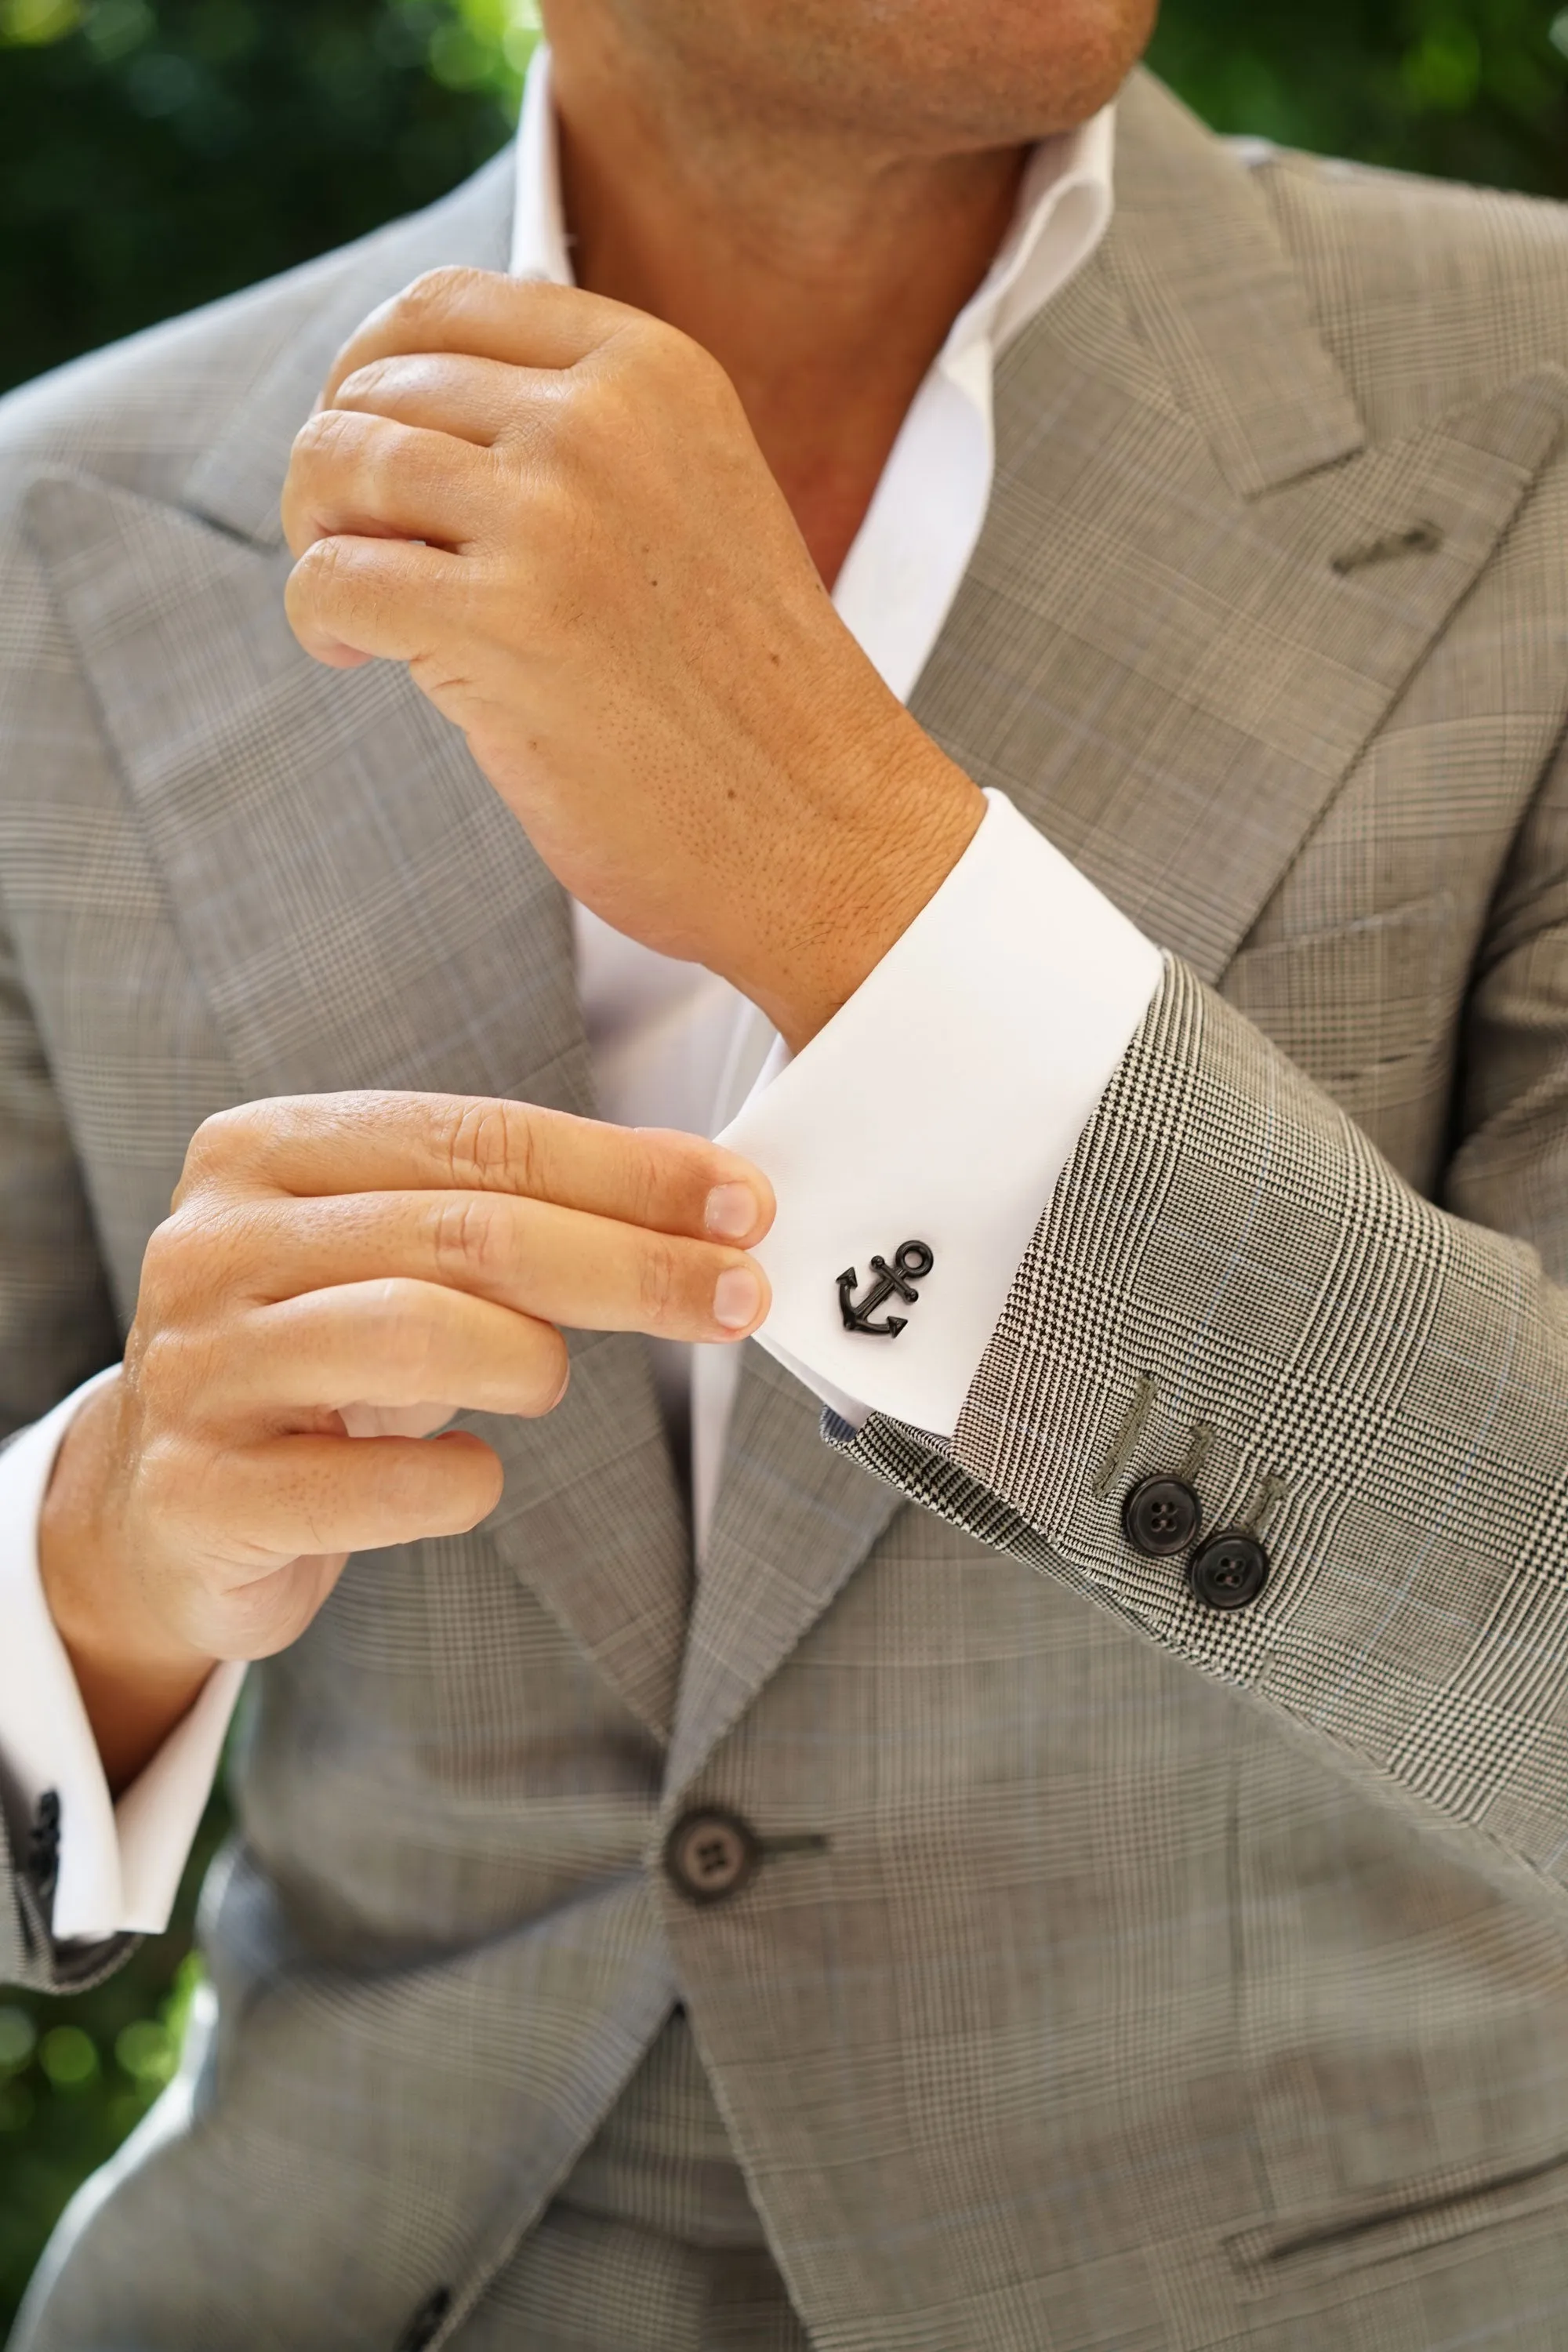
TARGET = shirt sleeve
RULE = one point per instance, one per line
(931, 1119)
(120, 1865)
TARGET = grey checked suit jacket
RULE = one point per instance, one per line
(1167, 1979)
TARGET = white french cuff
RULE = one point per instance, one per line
(933, 1115)
(120, 1865)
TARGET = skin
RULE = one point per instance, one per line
(599, 526)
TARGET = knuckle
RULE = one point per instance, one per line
(325, 565)
(370, 379)
(161, 1362)
(683, 363)
(222, 1141)
(493, 1147)
(179, 1369)
(541, 421)
(432, 294)
(604, 402)
(324, 440)
(647, 1175)
(191, 1256)
(164, 1262)
(329, 581)
(238, 1149)
(308, 440)
(659, 1280)
(186, 1268)
(468, 1239)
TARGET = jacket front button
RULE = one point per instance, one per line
(1229, 1572)
(709, 1855)
(1160, 1516)
(425, 2323)
(43, 1858)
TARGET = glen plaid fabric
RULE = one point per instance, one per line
(1164, 1981)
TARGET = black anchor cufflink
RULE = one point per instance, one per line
(912, 1260)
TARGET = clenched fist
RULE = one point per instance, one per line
(552, 508)
(412, 1254)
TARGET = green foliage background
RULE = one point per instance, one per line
(154, 154)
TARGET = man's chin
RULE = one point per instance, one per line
(932, 77)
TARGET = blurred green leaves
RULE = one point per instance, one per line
(29, 23)
(77, 2075)
(154, 154)
(1473, 89)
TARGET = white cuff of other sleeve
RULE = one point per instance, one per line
(940, 1105)
(120, 1865)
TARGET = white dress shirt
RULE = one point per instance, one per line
(938, 1107)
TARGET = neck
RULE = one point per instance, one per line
(821, 274)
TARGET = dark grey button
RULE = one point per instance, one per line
(709, 1855)
(1160, 1516)
(1230, 1571)
(43, 1859)
(425, 2323)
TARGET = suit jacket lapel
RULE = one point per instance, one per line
(1153, 652)
(1155, 656)
(793, 1520)
(1218, 303)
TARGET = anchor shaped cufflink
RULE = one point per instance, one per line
(912, 1260)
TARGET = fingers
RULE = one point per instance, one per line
(532, 1257)
(487, 316)
(481, 401)
(390, 1342)
(372, 597)
(373, 476)
(393, 1343)
(315, 1146)
(293, 1498)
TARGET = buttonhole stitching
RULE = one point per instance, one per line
(1131, 1430)
(1421, 539)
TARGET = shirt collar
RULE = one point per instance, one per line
(1063, 210)
(539, 247)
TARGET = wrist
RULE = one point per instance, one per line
(136, 1678)
(884, 853)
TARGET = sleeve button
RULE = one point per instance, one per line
(1160, 1516)
(1229, 1572)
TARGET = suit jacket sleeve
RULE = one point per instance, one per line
(1230, 1279)
(57, 1324)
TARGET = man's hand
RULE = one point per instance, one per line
(398, 1250)
(552, 508)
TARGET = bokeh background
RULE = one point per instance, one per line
(156, 154)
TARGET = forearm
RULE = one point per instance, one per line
(1229, 1275)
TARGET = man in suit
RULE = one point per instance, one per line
(1067, 1847)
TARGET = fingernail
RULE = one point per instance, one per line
(737, 1295)
(731, 1211)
